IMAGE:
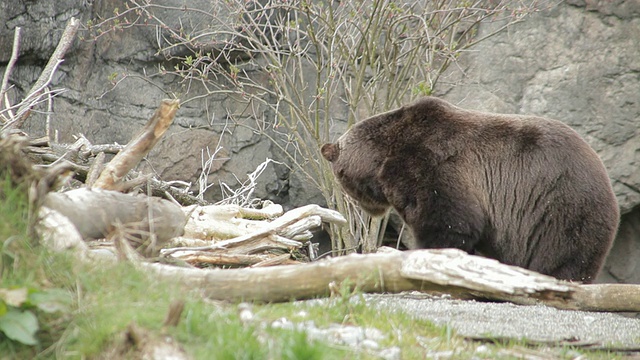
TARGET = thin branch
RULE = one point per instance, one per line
(14, 57)
(47, 74)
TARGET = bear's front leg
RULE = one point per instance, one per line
(444, 221)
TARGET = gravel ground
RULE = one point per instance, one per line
(504, 320)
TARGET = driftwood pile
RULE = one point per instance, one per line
(250, 237)
(210, 235)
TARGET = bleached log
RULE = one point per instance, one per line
(212, 212)
(453, 267)
(217, 229)
(94, 212)
(114, 172)
(227, 221)
(221, 222)
(369, 273)
(268, 211)
(182, 241)
(604, 297)
(303, 236)
(57, 232)
(383, 272)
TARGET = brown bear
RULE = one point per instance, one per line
(525, 190)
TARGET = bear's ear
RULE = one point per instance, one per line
(330, 152)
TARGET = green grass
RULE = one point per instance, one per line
(414, 336)
(215, 333)
(13, 224)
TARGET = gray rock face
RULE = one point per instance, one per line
(108, 99)
(578, 62)
(573, 65)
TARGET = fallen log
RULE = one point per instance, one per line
(367, 273)
(95, 213)
(382, 273)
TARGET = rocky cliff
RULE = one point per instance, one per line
(578, 62)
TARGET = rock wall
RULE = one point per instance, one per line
(114, 84)
(578, 62)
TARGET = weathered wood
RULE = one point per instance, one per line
(114, 172)
(272, 228)
(302, 227)
(40, 152)
(370, 273)
(442, 271)
(223, 222)
(383, 273)
(58, 233)
(606, 297)
(94, 212)
(453, 267)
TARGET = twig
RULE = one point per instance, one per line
(206, 166)
(45, 77)
(14, 57)
(243, 196)
(49, 112)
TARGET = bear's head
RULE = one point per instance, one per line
(356, 161)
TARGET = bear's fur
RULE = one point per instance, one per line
(525, 190)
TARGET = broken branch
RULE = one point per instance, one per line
(115, 171)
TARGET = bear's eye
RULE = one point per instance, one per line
(341, 173)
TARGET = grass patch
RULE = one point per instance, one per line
(414, 336)
(13, 227)
(219, 334)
